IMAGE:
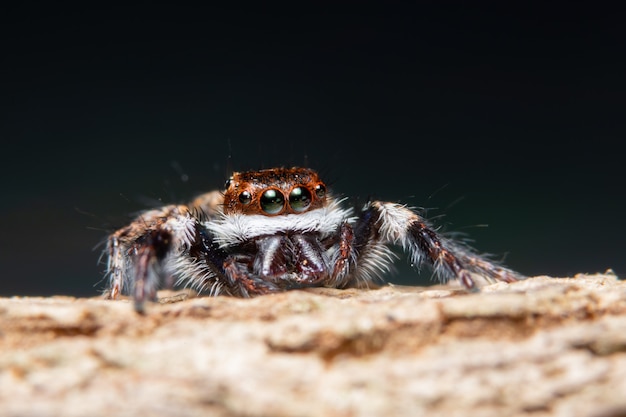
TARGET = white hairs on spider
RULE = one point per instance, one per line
(236, 228)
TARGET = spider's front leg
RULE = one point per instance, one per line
(382, 223)
(139, 254)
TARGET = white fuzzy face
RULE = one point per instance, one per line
(233, 229)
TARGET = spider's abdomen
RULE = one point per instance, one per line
(290, 260)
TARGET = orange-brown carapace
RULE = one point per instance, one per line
(274, 191)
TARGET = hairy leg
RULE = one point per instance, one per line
(382, 223)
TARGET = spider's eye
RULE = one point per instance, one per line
(320, 190)
(299, 199)
(272, 201)
(245, 197)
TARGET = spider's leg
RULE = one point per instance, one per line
(361, 256)
(343, 260)
(203, 266)
(115, 266)
(148, 268)
(138, 253)
(391, 223)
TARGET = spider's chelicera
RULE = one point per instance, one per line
(275, 230)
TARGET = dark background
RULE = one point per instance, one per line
(503, 116)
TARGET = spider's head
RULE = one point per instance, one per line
(273, 192)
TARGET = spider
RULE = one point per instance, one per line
(275, 230)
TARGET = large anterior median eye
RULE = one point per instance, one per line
(272, 201)
(299, 199)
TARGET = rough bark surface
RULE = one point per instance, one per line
(540, 347)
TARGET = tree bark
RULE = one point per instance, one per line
(541, 347)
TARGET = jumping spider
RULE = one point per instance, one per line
(275, 230)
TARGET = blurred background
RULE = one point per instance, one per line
(502, 122)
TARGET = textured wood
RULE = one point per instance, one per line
(541, 347)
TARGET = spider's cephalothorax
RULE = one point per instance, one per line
(275, 230)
